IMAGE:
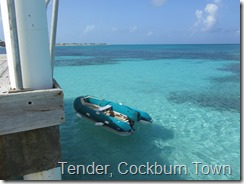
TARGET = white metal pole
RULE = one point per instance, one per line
(15, 44)
(54, 31)
(34, 44)
(12, 45)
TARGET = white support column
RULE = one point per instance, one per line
(34, 44)
(53, 174)
(35, 57)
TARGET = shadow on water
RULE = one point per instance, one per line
(84, 143)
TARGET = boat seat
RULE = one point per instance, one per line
(107, 107)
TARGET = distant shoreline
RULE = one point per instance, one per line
(81, 44)
(106, 44)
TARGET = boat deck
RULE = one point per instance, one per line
(108, 112)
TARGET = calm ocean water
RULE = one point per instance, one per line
(192, 93)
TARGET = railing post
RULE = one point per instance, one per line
(53, 30)
(12, 43)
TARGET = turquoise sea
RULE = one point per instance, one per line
(192, 93)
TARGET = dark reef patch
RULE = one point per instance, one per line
(232, 78)
(112, 54)
(216, 101)
(234, 68)
(234, 71)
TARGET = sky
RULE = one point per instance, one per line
(148, 21)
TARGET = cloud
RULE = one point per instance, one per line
(211, 16)
(199, 14)
(89, 28)
(208, 17)
(158, 3)
(132, 28)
